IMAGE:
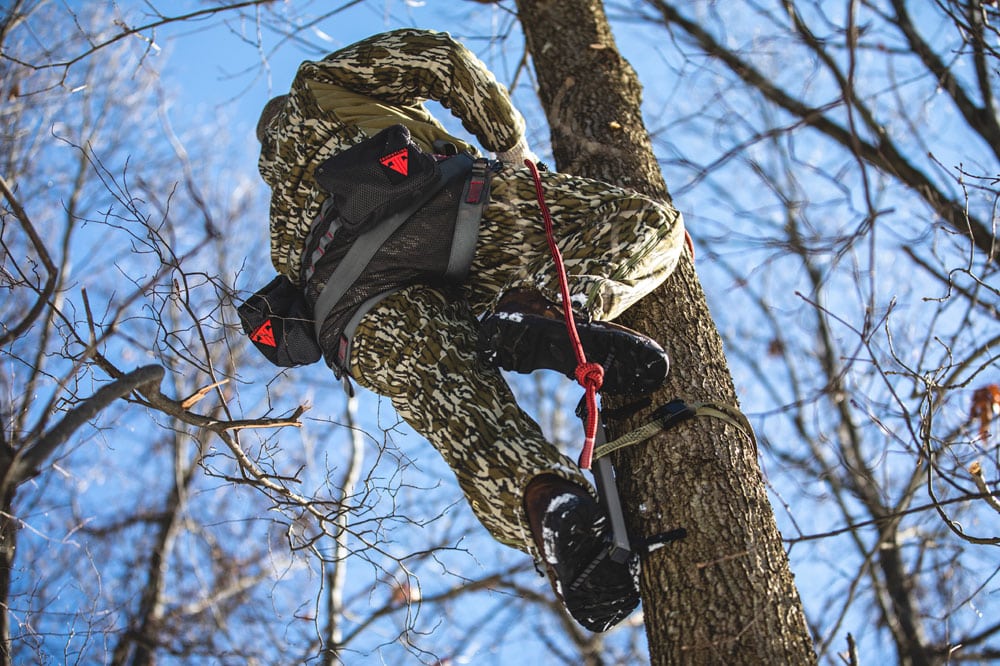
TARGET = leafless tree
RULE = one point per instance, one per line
(852, 273)
(724, 592)
(196, 503)
(861, 248)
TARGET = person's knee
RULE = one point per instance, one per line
(407, 336)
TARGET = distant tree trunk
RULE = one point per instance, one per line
(724, 594)
(8, 544)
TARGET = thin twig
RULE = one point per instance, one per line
(976, 470)
(43, 255)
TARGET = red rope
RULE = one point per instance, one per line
(589, 375)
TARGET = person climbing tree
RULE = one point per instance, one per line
(354, 160)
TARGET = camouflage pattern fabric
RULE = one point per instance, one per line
(616, 244)
(417, 346)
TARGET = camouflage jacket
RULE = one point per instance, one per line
(351, 95)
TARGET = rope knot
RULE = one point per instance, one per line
(590, 376)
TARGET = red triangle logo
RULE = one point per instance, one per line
(398, 161)
(264, 335)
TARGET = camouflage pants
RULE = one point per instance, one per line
(417, 347)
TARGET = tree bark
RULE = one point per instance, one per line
(724, 594)
(8, 550)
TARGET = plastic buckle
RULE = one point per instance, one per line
(477, 181)
(443, 147)
(674, 412)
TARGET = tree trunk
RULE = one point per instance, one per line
(724, 594)
(8, 545)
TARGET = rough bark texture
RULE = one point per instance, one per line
(8, 547)
(724, 594)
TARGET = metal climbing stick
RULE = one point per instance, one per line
(607, 490)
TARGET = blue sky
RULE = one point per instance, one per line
(217, 67)
(220, 80)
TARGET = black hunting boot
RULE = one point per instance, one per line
(571, 531)
(527, 332)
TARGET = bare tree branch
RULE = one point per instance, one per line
(51, 272)
(883, 154)
(28, 461)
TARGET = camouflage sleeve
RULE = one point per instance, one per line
(408, 66)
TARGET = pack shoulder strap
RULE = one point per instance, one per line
(347, 336)
(367, 244)
(475, 197)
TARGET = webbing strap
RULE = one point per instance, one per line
(324, 241)
(475, 197)
(367, 244)
(675, 412)
(351, 327)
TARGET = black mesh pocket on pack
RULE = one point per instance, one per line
(278, 322)
(378, 177)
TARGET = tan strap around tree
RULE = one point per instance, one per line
(675, 412)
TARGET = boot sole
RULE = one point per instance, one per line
(602, 592)
(524, 343)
